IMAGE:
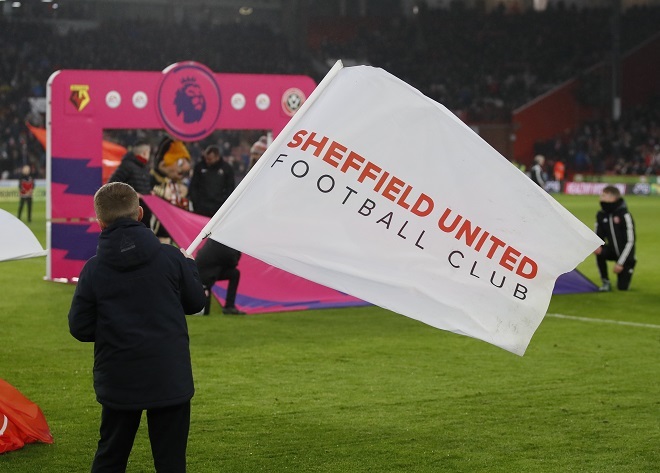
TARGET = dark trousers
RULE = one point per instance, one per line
(233, 275)
(218, 262)
(624, 277)
(168, 434)
(21, 203)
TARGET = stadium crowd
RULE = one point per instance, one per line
(630, 146)
(455, 56)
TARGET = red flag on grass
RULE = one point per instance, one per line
(21, 420)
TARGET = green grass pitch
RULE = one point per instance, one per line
(365, 390)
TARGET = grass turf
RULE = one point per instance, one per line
(365, 390)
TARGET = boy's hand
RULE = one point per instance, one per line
(186, 254)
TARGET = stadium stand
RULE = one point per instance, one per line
(481, 65)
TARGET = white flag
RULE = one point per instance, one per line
(16, 240)
(376, 190)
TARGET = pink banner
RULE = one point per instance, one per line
(263, 288)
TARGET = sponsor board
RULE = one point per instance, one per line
(590, 188)
(9, 190)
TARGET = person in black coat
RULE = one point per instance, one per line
(615, 225)
(134, 168)
(212, 182)
(135, 171)
(131, 300)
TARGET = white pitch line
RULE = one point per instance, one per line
(603, 321)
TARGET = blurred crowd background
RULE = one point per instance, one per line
(480, 59)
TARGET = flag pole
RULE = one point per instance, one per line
(229, 203)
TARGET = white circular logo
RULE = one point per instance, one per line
(140, 99)
(238, 101)
(262, 102)
(113, 99)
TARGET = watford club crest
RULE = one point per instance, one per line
(79, 96)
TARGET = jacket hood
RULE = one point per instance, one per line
(127, 244)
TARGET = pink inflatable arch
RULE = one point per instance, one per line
(186, 99)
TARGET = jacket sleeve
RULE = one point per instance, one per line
(193, 298)
(82, 314)
(121, 174)
(598, 227)
(630, 239)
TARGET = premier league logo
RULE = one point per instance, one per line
(189, 101)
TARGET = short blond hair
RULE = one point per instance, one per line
(116, 200)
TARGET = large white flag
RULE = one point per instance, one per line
(376, 190)
(16, 240)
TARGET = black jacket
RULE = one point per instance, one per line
(131, 301)
(617, 228)
(210, 186)
(133, 172)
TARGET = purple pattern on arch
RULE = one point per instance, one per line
(78, 240)
(80, 178)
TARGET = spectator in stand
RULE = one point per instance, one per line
(212, 182)
(537, 173)
(615, 225)
(25, 191)
(470, 78)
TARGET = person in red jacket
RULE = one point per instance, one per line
(25, 191)
(131, 300)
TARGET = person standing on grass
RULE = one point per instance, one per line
(135, 171)
(537, 173)
(615, 225)
(212, 183)
(25, 191)
(131, 300)
(134, 168)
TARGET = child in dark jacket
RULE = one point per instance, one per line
(131, 301)
(616, 227)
